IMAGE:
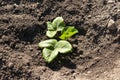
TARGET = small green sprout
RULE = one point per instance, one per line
(55, 26)
(52, 47)
(68, 32)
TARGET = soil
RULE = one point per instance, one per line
(96, 48)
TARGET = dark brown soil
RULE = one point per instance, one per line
(96, 50)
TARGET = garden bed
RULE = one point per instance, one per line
(96, 48)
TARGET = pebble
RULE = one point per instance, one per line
(3, 37)
(89, 16)
(118, 27)
(111, 1)
(3, 60)
(1, 41)
(4, 67)
(1, 56)
(74, 45)
(38, 53)
(89, 72)
(31, 49)
(7, 48)
(19, 57)
(10, 64)
(111, 24)
(15, 5)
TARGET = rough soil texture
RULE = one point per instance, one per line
(96, 53)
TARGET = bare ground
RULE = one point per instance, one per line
(96, 53)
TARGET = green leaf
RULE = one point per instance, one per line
(46, 53)
(50, 27)
(58, 23)
(63, 46)
(68, 32)
(47, 43)
(49, 55)
(51, 34)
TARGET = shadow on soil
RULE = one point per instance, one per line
(64, 60)
(61, 61)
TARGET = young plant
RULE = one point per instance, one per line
(52, 47)
(55, 26)
(68, 32)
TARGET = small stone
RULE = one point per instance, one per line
(4, 67)
(19, 57)
(7, 48)
(111, 24)
(89, 72)
(118, 28)
(74, 45)
(1, 41)
(3, 60)
(37, 53)
(15, 5)
(10, 65)
(37, 11)
(81, 67)
(89, 16)
(118, 25)
(1, 56)
(31, 49)
(3, 36)
(111, 1)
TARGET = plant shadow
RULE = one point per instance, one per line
(61, 61)
(65, 60)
